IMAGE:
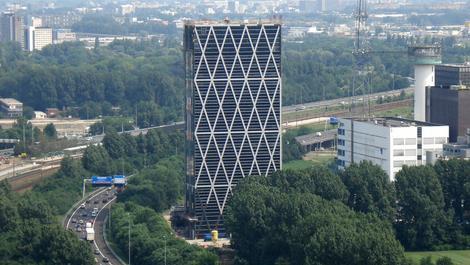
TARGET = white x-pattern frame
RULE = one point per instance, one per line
(265, 148)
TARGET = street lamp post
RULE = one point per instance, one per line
(164, 239)
(129, 238)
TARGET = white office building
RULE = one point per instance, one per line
(388, 142)
(38, 38)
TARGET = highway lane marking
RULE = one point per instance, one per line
(74, 212)
(94, 222)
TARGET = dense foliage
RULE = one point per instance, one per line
(300, 218)
(152, 239)
(357, 216)
(30, 234)
(140, 78)
(158, 186)
(123, 153)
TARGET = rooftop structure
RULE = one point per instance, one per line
(425, 57)
(448, 75)
(459, 149)
(319, 140)
(11, 107)
(388, 142)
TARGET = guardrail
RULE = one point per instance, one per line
(105, 226)
(68, 214)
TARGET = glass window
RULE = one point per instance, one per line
(400, 152)
(398, 163)
(398, 141)
(441, 140)
(410, 141)
(410, 152)
(428, 141)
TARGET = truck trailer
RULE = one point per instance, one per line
(90, 234)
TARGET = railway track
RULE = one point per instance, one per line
(357, 110)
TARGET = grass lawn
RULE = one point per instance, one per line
(405, 112)
(459, 257)
(310, 159)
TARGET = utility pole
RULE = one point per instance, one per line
(24, 138)
(83, 189)
(129, 216)
(136, 116)
(164, 238)
(110, 205)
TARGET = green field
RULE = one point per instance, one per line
(311, 159)
(404, 112)
(459, 257)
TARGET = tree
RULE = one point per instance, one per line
(285, 223)
(454, 176)
(421, 220)
(319, 181)
(113, 144)
(370, 190)
(444, 261)
(28, 112)
(426, 261)
(97, 160)
(50, 131)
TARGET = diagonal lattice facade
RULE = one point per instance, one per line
(233, 121)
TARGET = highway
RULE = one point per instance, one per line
(342, 101)
(76, 222)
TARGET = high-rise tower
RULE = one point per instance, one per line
(12, 28)
(233, 111)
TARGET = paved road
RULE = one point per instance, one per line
(81, 215)
(332, 102)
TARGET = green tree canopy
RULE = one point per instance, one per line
(421, 220)
(50, 131)
(370, 190)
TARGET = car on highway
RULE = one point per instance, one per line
(105, 200)
(80, 222)
(82, 206)
(105, 260)
(74, 220)
(96, 202)
(79, 229)
(84, 214)
(97, 252)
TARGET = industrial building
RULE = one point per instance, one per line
(233, 112)
(459, 149)
(448, 101)
(11, 108)
(388, 142)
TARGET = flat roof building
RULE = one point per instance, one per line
(11, 107)
(388, 142)
(233, 112)
(448, 75)
(38, 38)
(448, 101)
